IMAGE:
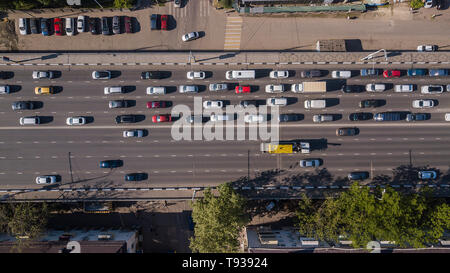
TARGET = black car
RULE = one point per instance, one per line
(111, 164)
(105, 26)
(440, 4)
(358, 175)
(288, 117)
(346, 131)
(417, 116)
(150, 75)
(310, 73)
(136, 177)
(34, 25)
(369, 103)
(126, 119)
(93, 26)
(3, 75)
(22, 105)
(352, 88)
(360, 116)
(246, 103)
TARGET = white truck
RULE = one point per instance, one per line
(309, 87)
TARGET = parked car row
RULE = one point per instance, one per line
(71, 26)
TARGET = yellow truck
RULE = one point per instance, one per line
(285, 147)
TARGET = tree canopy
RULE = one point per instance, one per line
(23, 220)
(218, 221)
(362, 215)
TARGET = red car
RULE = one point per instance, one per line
(127, 22)
(58, 25)
(242, 89)
(391, 73)
(156, 104)
(164, 19)
(161, 118)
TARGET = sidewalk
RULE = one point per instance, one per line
(75, 60)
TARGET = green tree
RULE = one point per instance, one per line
(218, 221)
(362, 215)
(416, 4)
(28, 220)
(123, 3)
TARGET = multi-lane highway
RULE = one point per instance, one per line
(27, 152)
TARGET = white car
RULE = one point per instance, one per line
(211, 104)
(279, 74)
(222, 117)
(254, 118)
(218, 86)
(341, 74)
(274, 88)
(375, 87)
(101, 75)
(428, 4)
(177, 3)
(276, 101)
(297, 88)
(427, 48)
(447, 116)
(81, 23)
(76, 121)
(156, 90)
(190, 36)
(23, 26)
(133, 133)
(196, 75)
(423, 104)
(188, 89)
(46, 179)
(432, 89)
(42, 75)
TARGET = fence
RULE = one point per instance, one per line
(332, 8)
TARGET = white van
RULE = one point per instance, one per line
(113, 89)
(4, 89)
(404, 87)
(315, 104)
(156, 90)
(276, 101)
(375, 87)
(240, 74)
(30, 120)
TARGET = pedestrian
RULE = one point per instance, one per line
(165, 203)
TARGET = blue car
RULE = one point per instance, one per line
(438, 72)
(44, 27)
(369, 72)
(417, 116)
(427, 175)
(111, 164)
(417, 72)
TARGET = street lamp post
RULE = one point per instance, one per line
(370, 56)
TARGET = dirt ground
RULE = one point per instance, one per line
(8, 36)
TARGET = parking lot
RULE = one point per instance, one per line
(197, 16)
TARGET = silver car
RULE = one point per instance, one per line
(195, 75)
(76, 121)
(218, 86)
(432, 89)
(188, 89)
(309, 163)
(116, 25)
(101, 75)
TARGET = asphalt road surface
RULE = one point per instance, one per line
(29, 151)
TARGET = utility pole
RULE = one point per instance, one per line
(371, 170)
(70, 168)
(248, 166)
